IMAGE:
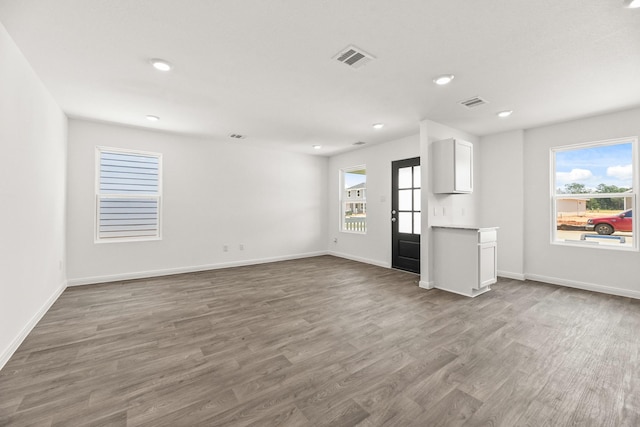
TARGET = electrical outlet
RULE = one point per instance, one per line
(225, 248)
(335, 240)
(241, 246)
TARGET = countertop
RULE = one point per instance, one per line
(465, 227)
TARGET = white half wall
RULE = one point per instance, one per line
(444, 209)
(502, 197)
(616, 272)
(33, 134)
(374, 247)
(216, 193)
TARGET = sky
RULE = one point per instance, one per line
(351, 179)
(605, 164)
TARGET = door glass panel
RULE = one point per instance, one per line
(416, 177)
(404, 222)
(404, 178)
(416, 223)
(416, 200)
(404, 200)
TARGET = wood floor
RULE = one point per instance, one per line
(325, 341)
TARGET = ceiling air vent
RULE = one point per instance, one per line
(237, 136)
(476, 101)
(353, 57)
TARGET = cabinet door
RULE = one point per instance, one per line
(463, 167)
(488, 264)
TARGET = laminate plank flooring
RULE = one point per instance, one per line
(325, 342)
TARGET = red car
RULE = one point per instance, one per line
(611, 224)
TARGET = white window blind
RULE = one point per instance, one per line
(128, 195)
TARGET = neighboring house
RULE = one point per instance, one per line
(628, 201)
(571, 207)
(356, 199)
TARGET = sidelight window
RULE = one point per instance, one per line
(353, 199)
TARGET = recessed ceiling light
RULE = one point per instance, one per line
(632, 4)
(378, 125)
(505, 113)
(443, 79)
(153, 118)
(317, 147)
(161, 64)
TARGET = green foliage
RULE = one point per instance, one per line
(575, 188)
(614, 204)
(603, 188)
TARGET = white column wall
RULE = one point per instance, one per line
(502, 197)
(33, 134)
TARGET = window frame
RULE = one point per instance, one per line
(344, 198)
(554, 196)
(99, 196)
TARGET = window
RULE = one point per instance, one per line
(128, 195)
(594, 194)
(409, 200)
(353, 199)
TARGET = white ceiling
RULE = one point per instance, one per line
(264, 68)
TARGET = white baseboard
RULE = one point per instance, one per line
(13, 346)
(511, 275)
(179, 270)
(585, 286)
(360, 259)
(426, 285)
(473, 294)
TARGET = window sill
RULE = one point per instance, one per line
(126, 240)
(593, 245)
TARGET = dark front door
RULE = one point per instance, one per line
(405, 214)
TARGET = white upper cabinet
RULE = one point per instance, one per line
(452, 166)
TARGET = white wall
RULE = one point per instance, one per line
(32, 189)
(444, 209)
(502, 197)
(616, 272)
(374, 247)
(215, 193)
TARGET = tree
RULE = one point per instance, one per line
(611, 204)
(575, 188)
(594, 204)
(604, 188)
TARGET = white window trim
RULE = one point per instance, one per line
(342, 196)
(634, 199)
(98, 196)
